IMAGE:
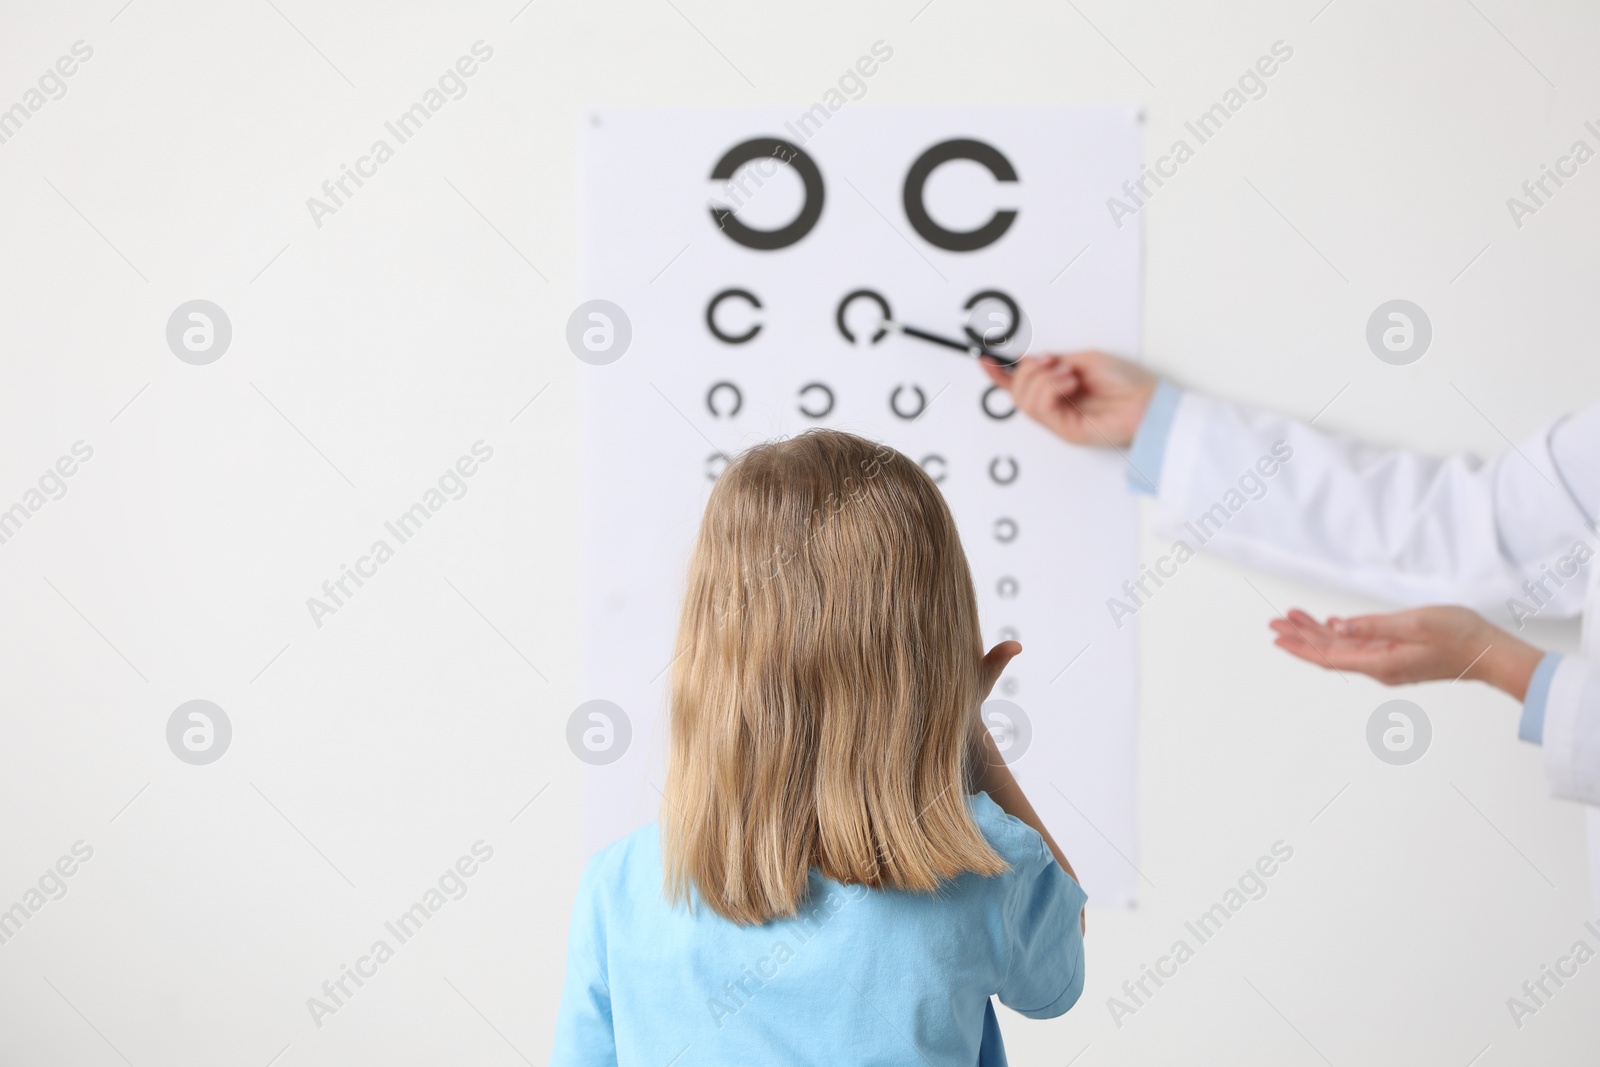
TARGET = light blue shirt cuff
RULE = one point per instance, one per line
(1531, 728)
(1150, 440)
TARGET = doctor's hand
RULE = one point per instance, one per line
(1087, 398)
(1420, 645)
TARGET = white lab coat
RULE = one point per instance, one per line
(1413, 529)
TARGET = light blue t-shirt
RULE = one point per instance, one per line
(861, 976)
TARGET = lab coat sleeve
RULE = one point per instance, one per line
(1531, 726)
(1571, 735)
(1271, 492)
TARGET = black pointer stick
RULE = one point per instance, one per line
(976, 351)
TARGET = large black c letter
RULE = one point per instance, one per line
(783, 152)
(957, 240)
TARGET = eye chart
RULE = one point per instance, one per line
(765, 271)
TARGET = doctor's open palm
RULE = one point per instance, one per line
(1421, 645)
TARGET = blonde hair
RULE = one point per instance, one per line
(825, 690)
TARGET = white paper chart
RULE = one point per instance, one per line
(755, 258)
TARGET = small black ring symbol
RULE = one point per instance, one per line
(711, 399)
(1012, 470)
(827, 406)
(987, 410)
(983, 340)
(1007, 587)
(894, 402)
(1005, 530)
(711, 317)
(716, 463)
(927, 464)
(876, 298)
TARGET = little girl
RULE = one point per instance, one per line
(844, 871)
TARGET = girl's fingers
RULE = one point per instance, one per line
(1002, 653)
(995, 661)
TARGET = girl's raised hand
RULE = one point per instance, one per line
(994, 664)
(994, 777)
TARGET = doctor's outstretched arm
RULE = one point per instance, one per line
(1513, 536)
(1273, 492)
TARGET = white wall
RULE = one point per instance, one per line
(375, 750)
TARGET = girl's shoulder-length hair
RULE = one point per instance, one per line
(825, 690)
